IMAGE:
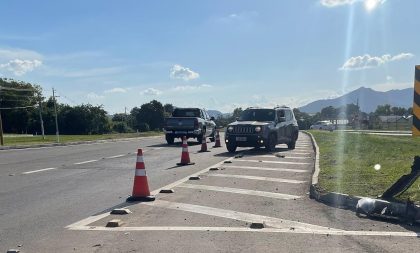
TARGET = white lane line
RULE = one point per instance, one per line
(264, 161)
(286, 157)
(246, 229)
(297, 153)
(115, 156)
(36, 171)
(90, 161)
(240, 191)
(272, 179)
(265, 168)
(235, 215)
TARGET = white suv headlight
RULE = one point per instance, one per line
(230, 129)
(258, 129)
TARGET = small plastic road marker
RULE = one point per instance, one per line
(114, 223)
(257, 225)
(121, 211)
(166, 191)
(239, 156)
(195, 178)
(13, 251)
(228, 162)
(213, 169)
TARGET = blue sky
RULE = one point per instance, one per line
(212, 54)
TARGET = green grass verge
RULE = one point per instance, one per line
(25, 140)
(347, 162)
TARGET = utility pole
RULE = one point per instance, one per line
(1, 131)
(40, 118)
(125, 112)
(56, 120)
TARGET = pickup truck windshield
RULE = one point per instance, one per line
(186, 113)
(257, 115)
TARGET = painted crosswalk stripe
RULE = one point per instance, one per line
(264, 168)
(285, 157)
(90, 161)
(240, 191)
(264, 161)
(229, 214)
(272, 179)
(36, 171)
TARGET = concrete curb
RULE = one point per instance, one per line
(72, 143)
(341, 200)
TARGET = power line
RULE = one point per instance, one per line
(16, 89)
(19, 107)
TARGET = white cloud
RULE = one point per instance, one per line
(94, 96)
(240, 16)
(369, 4)
(20, 67)
(191, 87)
(366, 61)
(151, 92)
(180, 72)
(116, 90)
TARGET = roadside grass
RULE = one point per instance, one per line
(17, 140)
(347, 162)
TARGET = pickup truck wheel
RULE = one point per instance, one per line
(231, 148)
(212, 136)
(170, 139)
(271, 144)
(292, 143)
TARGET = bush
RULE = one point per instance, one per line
(121, 127)
(144, 127)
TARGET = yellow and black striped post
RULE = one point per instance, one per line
(416, 103)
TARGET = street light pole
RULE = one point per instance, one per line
(1, 131)
(56, 120)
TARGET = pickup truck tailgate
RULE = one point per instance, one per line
(180, 123)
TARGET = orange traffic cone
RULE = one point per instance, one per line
(185, 156)
(141, 187)
(204, 145)
(217, 143)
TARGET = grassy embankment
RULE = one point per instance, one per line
(32, 140)
(347, 162)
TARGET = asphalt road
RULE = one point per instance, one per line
(44, 190)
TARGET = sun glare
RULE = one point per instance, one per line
(370, 5)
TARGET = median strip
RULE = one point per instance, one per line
(261, 161)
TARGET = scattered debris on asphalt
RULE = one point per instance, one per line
(194, 178)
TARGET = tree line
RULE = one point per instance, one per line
(22, 106)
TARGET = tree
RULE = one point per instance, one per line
(329, 113)
(151, 113)
(168, 108)
(383, 110)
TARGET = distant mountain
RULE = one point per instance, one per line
(368, 100)
(214, 113)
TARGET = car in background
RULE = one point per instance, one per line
(191, 123)
(258, 127)
(323, 125)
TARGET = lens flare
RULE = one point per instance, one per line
(370, 5)
(377, 167)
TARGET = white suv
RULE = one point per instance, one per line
(323, 125)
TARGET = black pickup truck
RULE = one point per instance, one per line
(189, 122)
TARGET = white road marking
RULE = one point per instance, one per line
(36, 171)
(229, 214)
(240, 191)
(81, 225)
(263, 161)
(90, 161)
(264, 168)
(272, 179)
(246, 229)
(297, 153)
(115, 156)
(88, 220)
(286, 157)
